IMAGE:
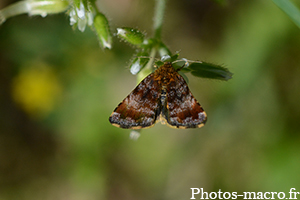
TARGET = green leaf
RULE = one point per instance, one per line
(290, 9)
(159, 63)
(208, 70)
(184, 76)
(139, 62)
(174, 57)
(131, 35)
(185, 70)
(169, 57)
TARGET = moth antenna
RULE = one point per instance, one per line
(150, 57)
(156, 59)
(186, 64)
(142, 57)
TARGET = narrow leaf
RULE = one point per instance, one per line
(139, 62)
(208, 70)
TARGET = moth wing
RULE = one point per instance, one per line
(181, 109)
(140, 108)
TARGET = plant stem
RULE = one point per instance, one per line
(152, 57)
(148, 68)
(157, 25)
(158, 17)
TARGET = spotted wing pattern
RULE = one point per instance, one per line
(181, 109)
(140, 108)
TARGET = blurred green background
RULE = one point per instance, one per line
(58, 88)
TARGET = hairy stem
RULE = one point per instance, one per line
(158, 17)
(148, 68)
(157, 25)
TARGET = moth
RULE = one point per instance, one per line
(162, 96)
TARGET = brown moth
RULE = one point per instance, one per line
(162, 95)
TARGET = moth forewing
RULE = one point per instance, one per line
(162, 94)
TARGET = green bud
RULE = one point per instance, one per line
(133, 36)
(103, 30)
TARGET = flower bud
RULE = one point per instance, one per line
(103, 30)
(133, 36)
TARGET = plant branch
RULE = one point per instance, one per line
(158, 17)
